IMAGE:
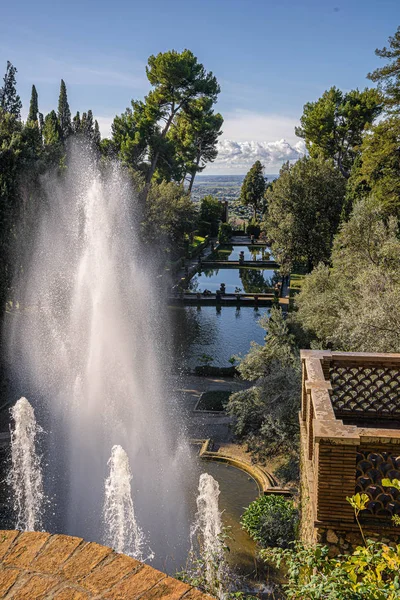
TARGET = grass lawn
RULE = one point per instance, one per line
(296, 281)
(213, 400)
(197, 241)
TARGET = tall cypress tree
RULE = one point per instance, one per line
(76, 123)
(64, 113)
(33, 107)
(33, 128)
(41, 122)
(51, 129)
(9, 99)
(87, 124)
(83, 123)
(96, 134)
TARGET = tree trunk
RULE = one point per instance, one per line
(194, 173)
(343, 171)
(153, 165)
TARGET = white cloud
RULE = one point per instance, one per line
(249, 136)
(242, 125)
(235, 154)
(238, 157)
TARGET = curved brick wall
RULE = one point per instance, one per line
(37, 565)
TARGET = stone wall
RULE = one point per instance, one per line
(344, 542)
(307, 531)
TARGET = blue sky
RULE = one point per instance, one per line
(270, 57)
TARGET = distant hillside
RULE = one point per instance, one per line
(224, 187)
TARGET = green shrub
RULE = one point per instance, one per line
(253, 228)
(369, 573)
(271, 520)
(289, 471)
(211, 213)
(214, 400)
(266, 414)
(225, 232)
(204, 227)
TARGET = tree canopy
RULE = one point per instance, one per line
(304, 208)
(332, 127)
(172, 132)
(10, 102)
(253, 187)
(266, 413)
(378, 171)
(195, 133)
(64, 113)
(354, 305)
(33, 107)
(388, 77)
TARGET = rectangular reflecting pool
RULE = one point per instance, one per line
(246, 280)
(218, 332)
(232, 253)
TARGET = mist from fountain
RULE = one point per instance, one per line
(122, 531)
(25, 476)
(88, 345)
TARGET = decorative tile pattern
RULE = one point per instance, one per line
(366, 391)
(372, 467)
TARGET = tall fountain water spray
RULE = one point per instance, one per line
(25, 477)
(207, 532)
(121, 529)
(89, 344)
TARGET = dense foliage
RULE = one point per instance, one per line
(370, 573)
(388, 76)
(253, 187)
(210, 215)
(169, 213)
(173, 133)
(354, 304)
(224, 233)
(271, 520)
(333, 126)
(266, 413)
(377, 172)
(304, 209)
(351, 299)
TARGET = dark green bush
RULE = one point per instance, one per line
(289, 471)
(205, 228)
(271, 520)
(213, 400)
(211, 213)
(253, 228)
(225, 232)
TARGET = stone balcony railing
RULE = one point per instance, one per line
(350, 434)
(38, 565)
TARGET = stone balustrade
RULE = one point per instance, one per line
(38, 565)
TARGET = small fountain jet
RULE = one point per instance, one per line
(25, 477)
(122, 531)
